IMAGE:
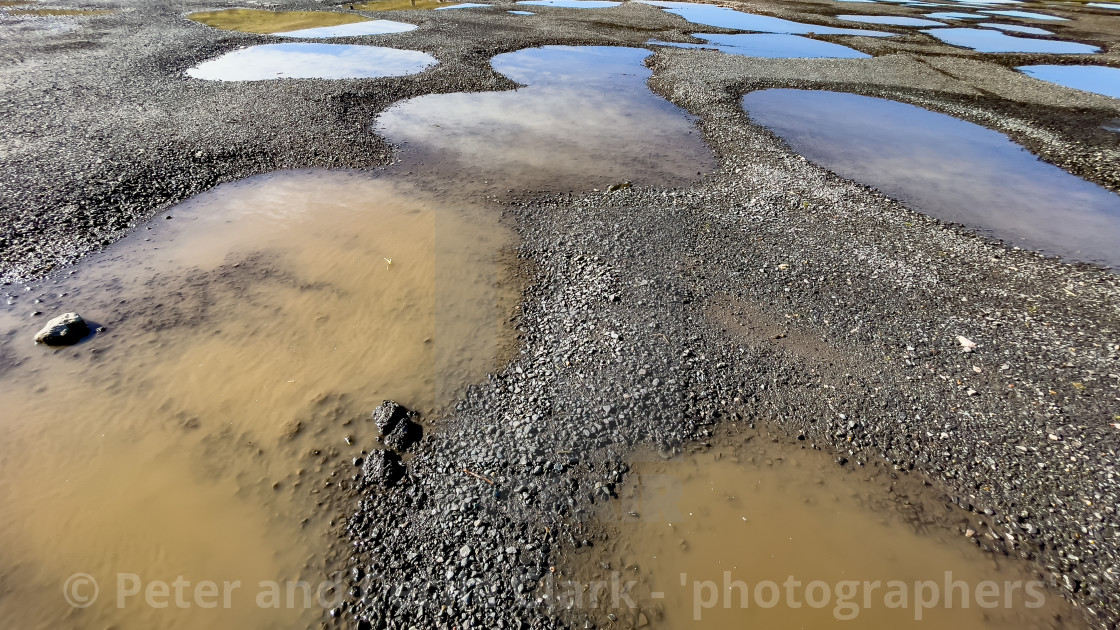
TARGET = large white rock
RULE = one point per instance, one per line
(64, 330)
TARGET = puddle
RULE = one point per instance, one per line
(247, 337)
(357, 29)
(520, 12)
(1027, 15)
(991, 41)
(893, 20)
(712, 15)
(1113, 126)
(1104, 5)
(952, 15)
(948, 168)
(269, 22)
(1097, 79)
(757, 534)
(572, 4)
(399, 5)
(585, 120)
(1015, 28)
(771, 46)
(464, 5)
(312, 61)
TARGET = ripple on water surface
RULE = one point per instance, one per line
(769, 45)
(312, 61)
(948, 168)
(586, 118)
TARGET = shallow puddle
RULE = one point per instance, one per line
(1097, 79)
(312, 61)
(1104, 5)
(586, 119)
(947, 168)
(400, 5)
(992, 41)
(572, 4)
(463, 5)
(893, 20)
(771, 46)
(248, 339)
(712, 15)
(1015, 28)
(357, 29)
(758, 534)
(268, 22)
(952, 15)
(1027, 15)
(520, 12)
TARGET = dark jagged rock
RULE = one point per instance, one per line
(382, 469)
(388, 414)
(398, 430)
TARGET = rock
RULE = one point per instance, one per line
(398, 431)
(382, 468)
(967, 345)
(403, 436)
(64, 330)
(388, 414)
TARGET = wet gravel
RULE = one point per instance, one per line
(770, 291)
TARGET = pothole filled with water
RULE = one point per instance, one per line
(401, 5)
(757, 533)
(572, 4)
(992, 41)
(585, 119)
(1096, 79)
(1026, 15)
(953, 15)
(712, 15)
(948, 168)
(312, 61)
(297, 23)
(892, 20)
(248, 337)
(770, 46)
(1016, 28)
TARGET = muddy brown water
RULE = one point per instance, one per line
(760, 533)
(247, 337)
(267, 22)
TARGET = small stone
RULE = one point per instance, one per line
(465, 551)
(64, 330)
(967, 345)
